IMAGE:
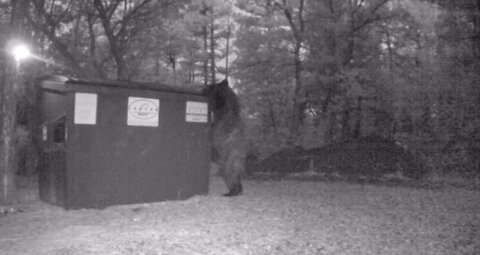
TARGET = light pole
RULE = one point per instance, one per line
(8, 148)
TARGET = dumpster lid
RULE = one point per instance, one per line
(57, 82)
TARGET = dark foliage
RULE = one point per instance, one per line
(370, 157)
(290, 160)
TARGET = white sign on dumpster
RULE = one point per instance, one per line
(44, 133)
(196, 112)
(143, 111)
(85, 108)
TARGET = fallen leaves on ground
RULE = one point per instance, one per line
(272, 217)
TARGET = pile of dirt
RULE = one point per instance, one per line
(290, 160)
(370, 157)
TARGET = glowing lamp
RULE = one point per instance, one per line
(20, 52)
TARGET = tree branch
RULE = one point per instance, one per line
(112, 39)
(49, 29)
(371, 17)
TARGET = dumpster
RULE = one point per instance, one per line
(106, 143)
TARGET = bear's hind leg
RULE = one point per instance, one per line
(233, 174)
(236, 190)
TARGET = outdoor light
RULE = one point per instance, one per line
(20, 52)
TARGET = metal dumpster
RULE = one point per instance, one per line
(117, 142)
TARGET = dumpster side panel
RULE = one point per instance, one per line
(112, 163)
(52, 179)
(198, 148)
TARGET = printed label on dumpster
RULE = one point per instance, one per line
(85, 108)
(44, 133)
(196, 112)
(143, 111)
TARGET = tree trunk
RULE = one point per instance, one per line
(299, 104)
(205, 47)
(8, 162)
(191, 67)
(212, 46)
(297, 25)
(476, 24)
(205, 61)
(350, 50)
(330, 130)
(30, 120)
(8, 148)
(345, 122)
(229, 34)
(112, 40)
(93, 49)
(358, 121)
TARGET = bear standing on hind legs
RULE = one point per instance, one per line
(227, 135)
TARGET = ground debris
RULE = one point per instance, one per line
(5, 210)
(272, 217)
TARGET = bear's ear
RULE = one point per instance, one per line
(223, 84)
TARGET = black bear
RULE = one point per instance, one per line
(227, 135)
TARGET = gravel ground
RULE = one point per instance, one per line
(272, 217)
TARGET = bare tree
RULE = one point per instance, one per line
(120, 32)
(296, 22)
(46, 21)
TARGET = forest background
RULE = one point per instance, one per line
(308, 72)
